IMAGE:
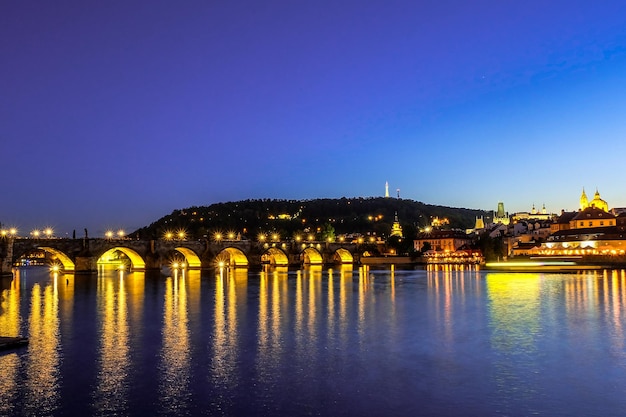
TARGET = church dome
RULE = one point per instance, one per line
(598, 202)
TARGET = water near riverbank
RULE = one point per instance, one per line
(315, 342)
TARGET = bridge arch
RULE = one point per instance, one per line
(232, 257)
(65, 260)
(191, 258)
(136, 261)
(343, 256)
(311, 256)
(275, 256)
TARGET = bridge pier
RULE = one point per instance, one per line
(6, 257)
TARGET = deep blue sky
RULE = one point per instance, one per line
(114, 113)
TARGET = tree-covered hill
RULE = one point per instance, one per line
(287, 218)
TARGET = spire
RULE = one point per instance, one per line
(386, 189)
(396, 229)
(584, 202)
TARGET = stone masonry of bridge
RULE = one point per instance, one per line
(82, 255)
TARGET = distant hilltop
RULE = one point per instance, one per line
(249, 218)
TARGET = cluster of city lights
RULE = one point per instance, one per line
(46, 233)
(180, 234)
(110, 234)
(11, 232)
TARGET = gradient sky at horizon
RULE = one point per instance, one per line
(113, 114)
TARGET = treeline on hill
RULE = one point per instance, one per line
(288, 218)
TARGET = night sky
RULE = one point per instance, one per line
(115, 113)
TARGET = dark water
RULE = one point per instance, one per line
(343, 342)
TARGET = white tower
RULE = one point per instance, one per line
(386, 189)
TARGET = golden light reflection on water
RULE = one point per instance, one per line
(514, 310)
(448, 286)
(10, 319)
(272, 302)
(42, 367)
(230, 298)
(175, 352)
(9, 364)
(110, 396)
(314, 275)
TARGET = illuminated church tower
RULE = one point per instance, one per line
(500, 216)
(386, 189)
(597, 202)
(396, 229)
(584, 203)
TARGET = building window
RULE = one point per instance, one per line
(590, 223)
(601, 223)
(582, 224)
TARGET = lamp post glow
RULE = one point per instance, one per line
(120, 233)
(13, 231)
(108, 234)
(48, 232)
(35, 233)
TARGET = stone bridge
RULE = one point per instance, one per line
(84, 255)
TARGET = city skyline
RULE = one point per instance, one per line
(115, 114)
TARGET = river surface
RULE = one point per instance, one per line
(340, 342)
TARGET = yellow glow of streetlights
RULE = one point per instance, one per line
(218, 236)
(35, 233)
(109, 234)
(120, 233)
(298, 238)
(48, 232)
(182, 234)
(261, 237)
(13, 231)
(4, 233)
(311, 237)
(231, 235)
(275, 237)
(168, 235)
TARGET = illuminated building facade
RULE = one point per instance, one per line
(442, 240)
(592, 231)
(534, 214)
(597, 202)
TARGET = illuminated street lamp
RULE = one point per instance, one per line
(48, 232)
(13, 231)
(231, 235)
(182, 235)
(120, 233)
(35, 233)
(261, 237)
(311, 238)
(108, 234)
(275, 237)
(218, 237)
(169, 235)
